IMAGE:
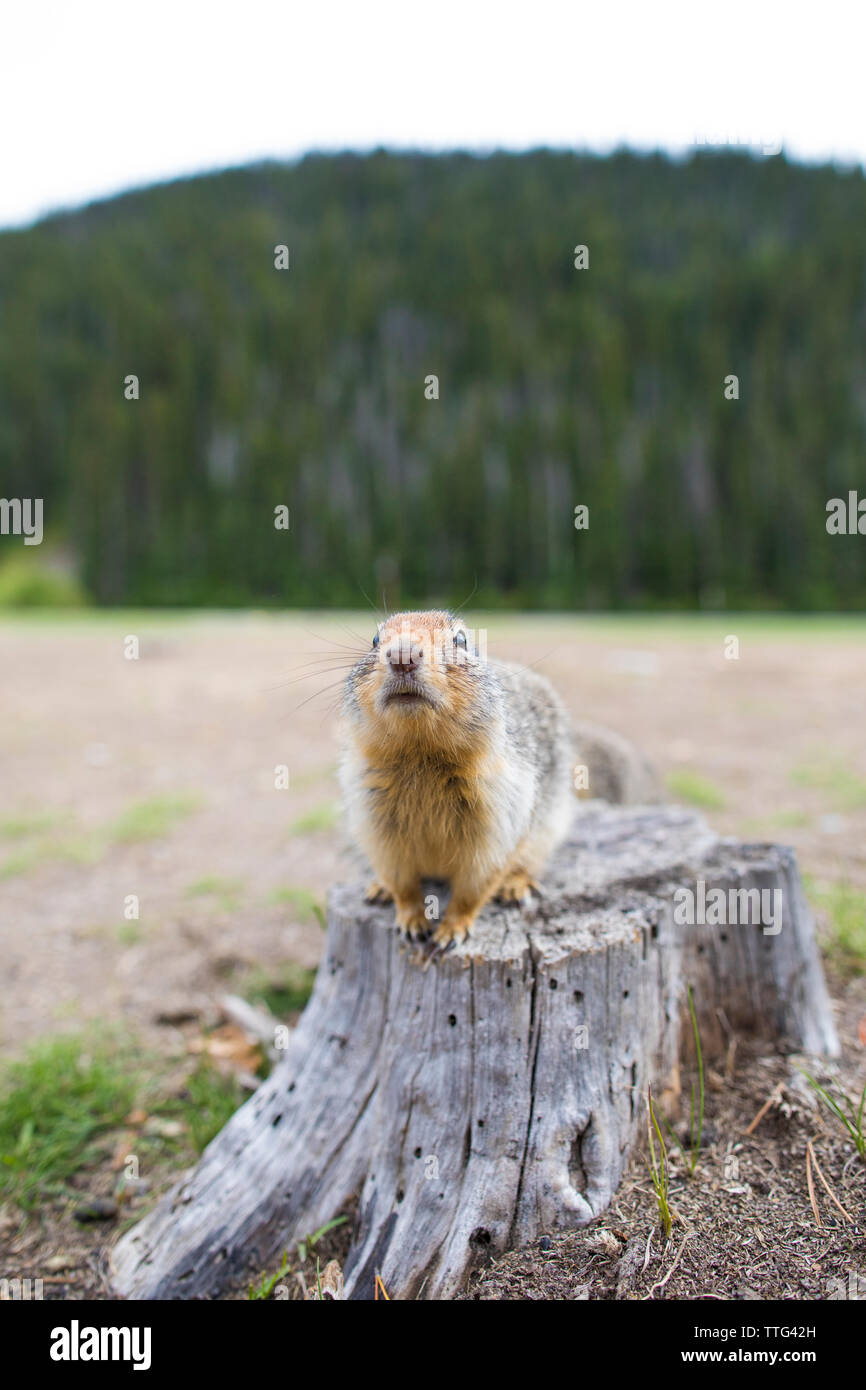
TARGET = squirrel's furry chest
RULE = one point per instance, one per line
(429, 811)
(429, 798)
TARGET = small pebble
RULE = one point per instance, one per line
(97, 1209)
(166, 1129)
(55, 1263)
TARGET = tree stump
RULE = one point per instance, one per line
(496, 1094)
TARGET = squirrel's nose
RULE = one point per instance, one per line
(404, 657)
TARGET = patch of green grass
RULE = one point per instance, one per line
(310, 1242)
(24, 826)
(842, 787)
(151, 819)
(38, 844)
(270, 1281)
(322, 817)
(226, 891)
(18, 864)
(63, 1102)
(301, 900)
(853, 1120)
(305, 1247)
(213, 887)
(283, 994)
(54, 1105)
(128, 933)
(791, 820)
(845, 909)
(27, 582)
(658, 1168)
(209, 1101)
(691, 787)
(783, 820)
(80, 849)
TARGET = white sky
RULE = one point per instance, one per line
(101, 95)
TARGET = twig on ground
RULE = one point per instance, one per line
(662, 1282)
(811, 1186)
(827, 1188)
(774, 1099)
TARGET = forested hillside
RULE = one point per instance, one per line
(558, 387)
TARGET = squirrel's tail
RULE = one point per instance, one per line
(609, 768)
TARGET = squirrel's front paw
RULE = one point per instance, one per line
(452, 929)
(517, 887)
(412, 920)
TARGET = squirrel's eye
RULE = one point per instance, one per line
(460, 639)
(376, 640)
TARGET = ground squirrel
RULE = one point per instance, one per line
(453, 767)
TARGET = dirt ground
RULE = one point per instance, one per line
(154, 778)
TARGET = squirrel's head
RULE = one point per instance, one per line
(421, 680)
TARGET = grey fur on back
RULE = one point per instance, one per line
(542, 731)
(538, 727)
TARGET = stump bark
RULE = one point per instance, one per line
(495, 1095)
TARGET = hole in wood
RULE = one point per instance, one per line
(576, 1172)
